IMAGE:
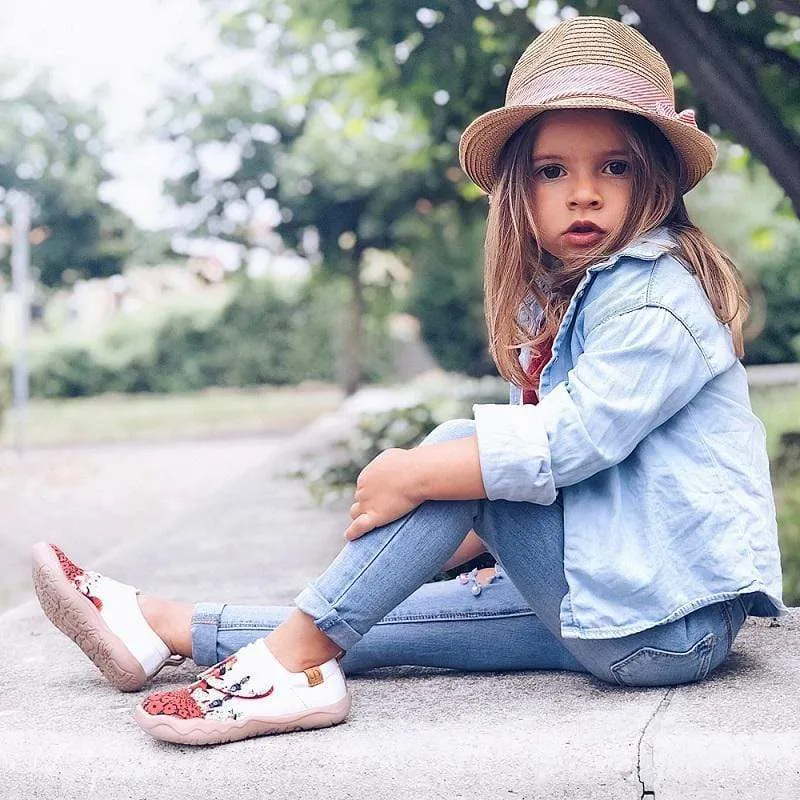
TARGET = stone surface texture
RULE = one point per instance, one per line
(412, 732)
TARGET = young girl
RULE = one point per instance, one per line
(624, 490)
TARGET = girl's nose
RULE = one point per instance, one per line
(584, 194)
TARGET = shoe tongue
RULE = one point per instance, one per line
(252, 671)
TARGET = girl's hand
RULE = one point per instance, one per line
(385, 491)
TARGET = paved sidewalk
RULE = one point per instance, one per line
(412, 732)
(94, 498)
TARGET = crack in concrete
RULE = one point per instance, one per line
(645, 767)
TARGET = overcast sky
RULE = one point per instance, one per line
(116, 49)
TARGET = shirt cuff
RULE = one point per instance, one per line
(514, 453)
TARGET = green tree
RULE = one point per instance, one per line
(307, 139)
(737, 62)
(52, 149)
(345, 119)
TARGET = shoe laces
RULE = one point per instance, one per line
(175, 660)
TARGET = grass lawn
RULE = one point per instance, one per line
(208, 413)
(779, 410)
(787, 501)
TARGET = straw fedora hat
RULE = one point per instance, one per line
(587, 62)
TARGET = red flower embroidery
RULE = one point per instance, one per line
(177, 703)
(70, 570)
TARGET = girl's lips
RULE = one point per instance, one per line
(583, 239)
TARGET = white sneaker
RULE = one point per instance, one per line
(250, 693)
(102, 616)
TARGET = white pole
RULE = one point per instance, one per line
(20, 261)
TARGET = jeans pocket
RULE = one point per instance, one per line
(649, 666)
(734, 613)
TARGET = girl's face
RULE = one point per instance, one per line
(582, 168)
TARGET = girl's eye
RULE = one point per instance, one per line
(547, 171)
(617, 164)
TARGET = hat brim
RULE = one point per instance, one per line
(483, 139)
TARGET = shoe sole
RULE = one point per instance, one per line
(203, 731)
(76, 617)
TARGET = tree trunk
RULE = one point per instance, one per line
(689, 41)
(353, 335)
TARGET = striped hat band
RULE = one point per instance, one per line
(603, 81)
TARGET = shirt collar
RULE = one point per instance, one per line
(647, 246)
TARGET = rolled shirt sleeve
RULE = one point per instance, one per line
(638, 368)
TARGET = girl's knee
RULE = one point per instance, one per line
(451, 429)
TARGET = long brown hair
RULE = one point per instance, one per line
(516, 265)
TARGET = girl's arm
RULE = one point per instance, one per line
(449, 470)
(471, 546)
(639, 367)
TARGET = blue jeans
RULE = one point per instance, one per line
(376, 603)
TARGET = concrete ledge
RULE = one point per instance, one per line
(412, 732)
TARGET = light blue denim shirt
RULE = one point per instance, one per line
(644, 425)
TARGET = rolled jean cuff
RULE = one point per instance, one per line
(205, 628)
(327, 618)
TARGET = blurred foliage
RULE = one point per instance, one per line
(786, 475)
(743, 210)
(450, 60)
(343, 133)
(446, 292)
(787, 460)
(52, 149)
(300, 142)
(787, 498)
(297, 151)
(332, 127)
(779, 281)
(72, 372)
(740, 207)
(260, 337)
(399, 426)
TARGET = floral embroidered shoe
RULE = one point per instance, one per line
(102, 616)
(248, 694)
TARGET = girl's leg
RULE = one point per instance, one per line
(171, 620)
(305, 637)
(374, 574)
(441, 624)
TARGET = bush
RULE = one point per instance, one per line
(250, 343)
(446, 294)
(70, 372)
(450, 397)
(779, 281)
(787, 495)
(258, 338)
